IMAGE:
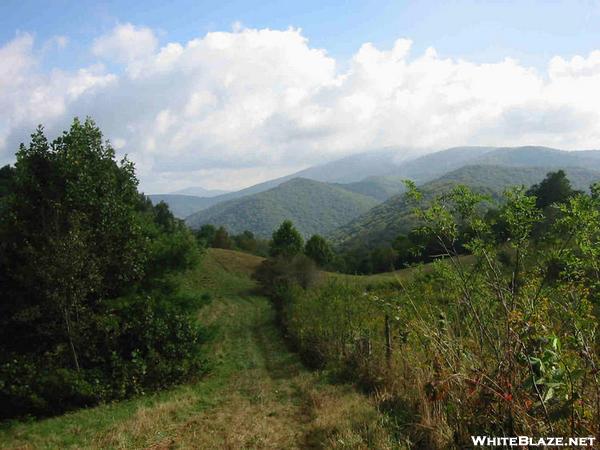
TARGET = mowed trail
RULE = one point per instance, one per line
(270, 400)
(257, 395)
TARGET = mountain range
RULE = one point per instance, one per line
(313, 206)
(349, 169)
(357, 199)
(199, 191)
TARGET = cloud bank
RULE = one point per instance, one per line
(233, 108)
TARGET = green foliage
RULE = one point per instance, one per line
(7, 174)
(86, 312)
(206, 235)
(222, 239)
(384, 259)
(555, 188)
(505, 344)
(383, 223)
(319, 250)
(286, 241)
(209, 236)
(313, 206)
(278, 276)
(249, 243)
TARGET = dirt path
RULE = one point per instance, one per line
(271, 401)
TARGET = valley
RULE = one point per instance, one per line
(299, 225)
(414, 315)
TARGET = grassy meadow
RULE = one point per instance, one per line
(256, 394)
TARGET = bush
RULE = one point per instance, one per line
(502, 343)
(88, 310)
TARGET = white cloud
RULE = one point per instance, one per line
(126, 43)
(229, 107)
(16, 59)
(29, 96)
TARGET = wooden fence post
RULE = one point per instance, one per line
(388, 340)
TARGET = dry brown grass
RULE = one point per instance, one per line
(236, 262)
(149, 424)
(299, 412)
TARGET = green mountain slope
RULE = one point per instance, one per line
(350, 169)
(183, 205)
(383, 223)
(433, 165)
(378, 173)
(314, 207)
(380, 188)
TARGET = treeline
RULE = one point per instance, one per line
(210, 236)
(316, 248)
(502, 342)
(89, 309)
(417, 247)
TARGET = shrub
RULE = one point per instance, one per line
(88, 310)
(502, 343)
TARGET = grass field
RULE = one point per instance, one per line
(390, 277)
(256, 395)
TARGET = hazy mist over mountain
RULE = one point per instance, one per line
(199, 191)
(377, 176)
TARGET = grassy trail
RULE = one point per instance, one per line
(256, 396)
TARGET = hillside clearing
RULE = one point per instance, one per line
(257, 394)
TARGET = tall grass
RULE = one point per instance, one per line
(504, 345)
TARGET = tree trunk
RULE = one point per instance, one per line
(70, 337)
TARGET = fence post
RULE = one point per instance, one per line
(388, 340)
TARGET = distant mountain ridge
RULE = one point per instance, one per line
(530, 156)
(182, 205)
(379, 174)
(313, 206)
(352, 168)
(199, 191)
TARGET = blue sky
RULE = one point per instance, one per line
(487, 31)
(228, 94)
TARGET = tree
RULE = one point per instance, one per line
(406, 249)
(164, 216)
(222, 239)
(206, 235)
(246, 242)
(384, 259)
(83, 264)
(287, 241)
(7, 174)
(319, 250)
(555, 188)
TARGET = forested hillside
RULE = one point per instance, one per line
(385, 222)
(183, 205)
(313, 206)
(380, 187)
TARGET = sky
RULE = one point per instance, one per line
(228, 94)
